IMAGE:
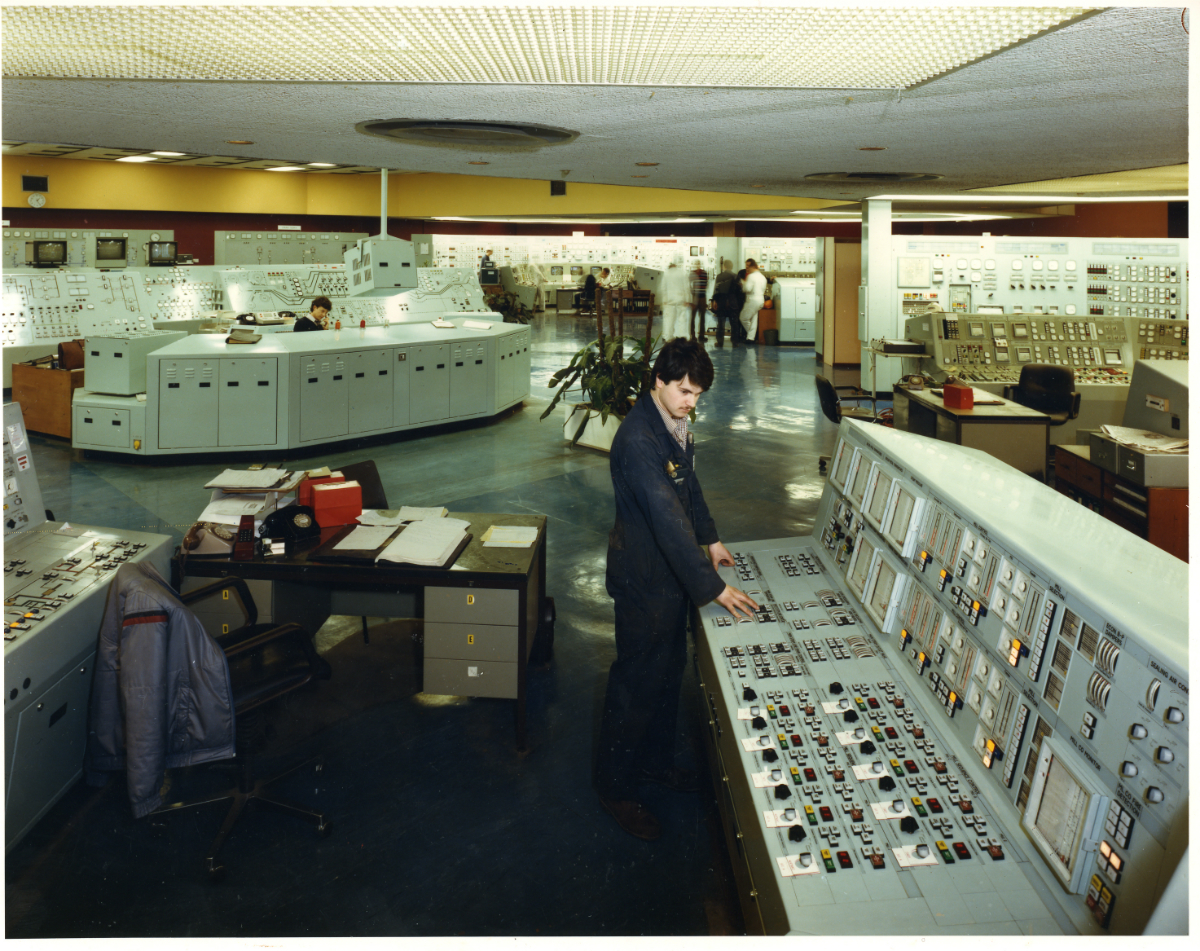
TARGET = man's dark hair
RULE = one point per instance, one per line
(750, 262)
(679, 358)
(321, 302)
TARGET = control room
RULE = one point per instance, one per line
(595, 469)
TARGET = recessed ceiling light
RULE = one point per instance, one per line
(479, 163)
(646, 164)
(321, 165)
(286, 168)
(238, 142)
(170, 154)
(873, 148)
(138, 158)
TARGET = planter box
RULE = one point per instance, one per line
(596, 435)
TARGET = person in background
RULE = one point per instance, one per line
(317, 318)
(608, 282)
(587, 297)
(699, 288)
(674, 301)
(727, 302)
(656, 570)
(755, 286)
(486, 260)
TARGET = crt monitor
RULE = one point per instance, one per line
(110, 252)
(49, 253)
(576, 270)
(555, 271)
(162, 253)
(596, 271)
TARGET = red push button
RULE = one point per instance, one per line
(844, 860)
(810, 774)
(910, 766)
(826, 814)
(934, 806)
(961, 850)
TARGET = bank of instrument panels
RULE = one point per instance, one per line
(987, 348)
(886, 710)
(46, 307)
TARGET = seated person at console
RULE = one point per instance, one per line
(317, 318)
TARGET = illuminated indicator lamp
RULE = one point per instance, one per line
(897, 768)
(945, 850)
(1105, 849)
(810, 815)
(828, 860)
(796, 775)
(976, 612)
(844, 860)
(953, 702)
(934, 806)
(961, 850)
(1015, 650)
(990, 753)
(905, 637)
(783, 745)
(943, 575)
(922, 661)
(1116, 862)
(916, 801)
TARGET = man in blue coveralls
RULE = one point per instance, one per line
(656, 569)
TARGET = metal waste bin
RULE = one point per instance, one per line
(771, 337)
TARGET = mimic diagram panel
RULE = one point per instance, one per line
(944, 718)
(1075, 278)
(264, 248)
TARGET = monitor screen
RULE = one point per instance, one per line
(110, 249)
(162, 253)
(576, 270)
(556, 271)
(841, 464)
(877, 508)
(859, 488)
(1061, 812)
(596, 271)
(902, 516)
(49, 253)
(880, 597)
(863, 556)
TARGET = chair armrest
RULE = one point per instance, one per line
(1074, 406)
(249, 608)
(319, 665)
(1009, 389)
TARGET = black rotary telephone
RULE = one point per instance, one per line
(293, 523)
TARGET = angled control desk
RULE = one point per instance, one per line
(482, 615)
(1006, 430)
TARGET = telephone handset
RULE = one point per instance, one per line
(243, 545)
(292, 523)
(208, 538)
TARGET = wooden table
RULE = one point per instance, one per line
(482, 615)
(1009, 431)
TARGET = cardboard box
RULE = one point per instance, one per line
(337, 503)
(958, 397)
(304, 495)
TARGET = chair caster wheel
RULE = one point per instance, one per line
(216, 874)
(324, 829)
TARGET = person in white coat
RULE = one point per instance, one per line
(755, 286)
(677, 301)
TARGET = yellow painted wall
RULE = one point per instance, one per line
(117, 186)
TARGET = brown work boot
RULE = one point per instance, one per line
(633, 817)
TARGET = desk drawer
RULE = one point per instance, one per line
(470, 641)
(472, 605)
(471, 678)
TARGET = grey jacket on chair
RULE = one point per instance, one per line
(161, 693)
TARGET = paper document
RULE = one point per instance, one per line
(510, 536)
(247, 479)
(413, 513)
(381, 517)
(366, 538)
(430, 541)
(1145, 440)
(984, 398)
(228, 509)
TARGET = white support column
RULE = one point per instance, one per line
(877, 304)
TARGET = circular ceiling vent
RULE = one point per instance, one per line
(467, 134)
(873, 178)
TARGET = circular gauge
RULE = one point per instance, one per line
(154, 236)
(74, 234)
(1037, 265)
(1052, 265)
(1070, 308)
(124, 234)
(1017, 264)
(976, 276)
(37, 200)
(962, 264)
(1070, 265)
(989, 264)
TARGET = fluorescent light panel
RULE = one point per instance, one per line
(1026, 199)
(667, 43)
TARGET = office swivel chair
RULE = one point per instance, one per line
(266, 662)
(1049, 389)
(831, 406)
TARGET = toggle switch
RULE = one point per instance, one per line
(1138, 732)
(1164, 755)
(1129, 768)
(1174, 715)
(1154, 794)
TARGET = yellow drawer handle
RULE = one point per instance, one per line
(470, 638)
(470, 599)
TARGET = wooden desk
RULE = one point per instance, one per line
(45, 397)
(482, 615)
(1155, 513)
(1009, 431)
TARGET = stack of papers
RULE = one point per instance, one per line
(366, 538)
(430, 541)
(414, 513)
(381, 517)
(1144, 440)
(248, 479)
(228, 509)
(510, 536)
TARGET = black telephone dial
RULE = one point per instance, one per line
(293, 523)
